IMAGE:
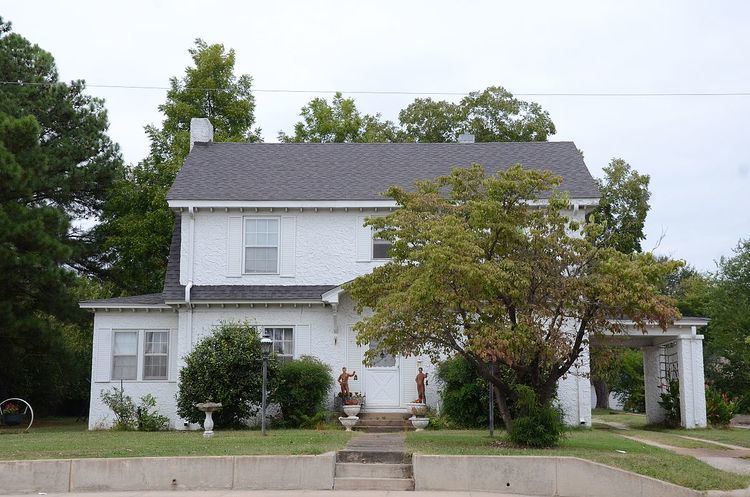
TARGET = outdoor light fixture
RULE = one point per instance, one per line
(265, 348)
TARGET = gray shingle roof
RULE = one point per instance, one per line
(357, 171)
(148, 299)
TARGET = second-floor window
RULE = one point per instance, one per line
(261, 246)
(381, 249)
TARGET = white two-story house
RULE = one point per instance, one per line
(268, 233)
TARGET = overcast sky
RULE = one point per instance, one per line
(694, 148)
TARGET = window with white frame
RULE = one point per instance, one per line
(261, 245)
(283, 342)
(125, 355)
(155, 355)
(381, 249)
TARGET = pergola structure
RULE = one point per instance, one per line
(674, 353)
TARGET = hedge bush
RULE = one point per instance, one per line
(225, 367)
(536, 424)
(303, 386)
(720, 409)
(465, 396)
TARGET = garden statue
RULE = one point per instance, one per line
(421, 380)
(344, 381)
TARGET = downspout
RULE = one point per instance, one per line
(191, 258)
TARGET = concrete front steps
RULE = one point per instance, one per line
(374, 461)
(373, 470)
(383, 422)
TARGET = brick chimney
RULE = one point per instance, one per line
(201, 130)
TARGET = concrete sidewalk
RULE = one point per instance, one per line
(272, 493)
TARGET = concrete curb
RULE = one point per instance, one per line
(533, 475)
(169, 473)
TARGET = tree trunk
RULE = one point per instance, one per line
(602, 393)
(502, 405)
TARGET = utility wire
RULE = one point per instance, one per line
(418, 93)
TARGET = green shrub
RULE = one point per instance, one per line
(122, 406)
(148, 417)
(720, 409)
(225, 367)
(144, 417)
(536, 424)
(303, 386)
(465, 396)
(670, 402)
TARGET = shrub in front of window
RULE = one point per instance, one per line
(128, 416)
(304, 385)
(122, 406)
(225, 367)
(148, 417)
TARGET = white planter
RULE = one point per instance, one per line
(419, 423)
(349, 422)
(352, 410)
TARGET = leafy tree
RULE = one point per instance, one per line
(338, 122)
(491, 115)
(622, 210)
(56, 162)
(514, 290)
(623, 206)
(628, 383)
(224, 367)
(431, 121)
(137, 226)
(728, 333)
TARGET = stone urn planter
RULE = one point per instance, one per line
(208, 424)
(349, 422)
(352, 409)
(419, 423)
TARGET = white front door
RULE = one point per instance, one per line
(382, 381)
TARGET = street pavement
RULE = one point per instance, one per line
(272, 493)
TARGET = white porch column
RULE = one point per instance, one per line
(653, 381)
(692, 381)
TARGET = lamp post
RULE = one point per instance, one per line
(492, 403)
(265, 348)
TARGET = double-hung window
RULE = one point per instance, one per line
(283, 342)
(261, 245)
(381, 249)
(155, 355)
(125, 355)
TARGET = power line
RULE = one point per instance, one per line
(416, 93)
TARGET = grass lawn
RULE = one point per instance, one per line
(595, 445)
(62, 439)
(733, 436)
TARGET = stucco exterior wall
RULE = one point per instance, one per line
(100, 415)
(316, 337)
(325, 249)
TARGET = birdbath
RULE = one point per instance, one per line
(208, 425)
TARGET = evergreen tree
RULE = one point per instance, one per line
(56, 163)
